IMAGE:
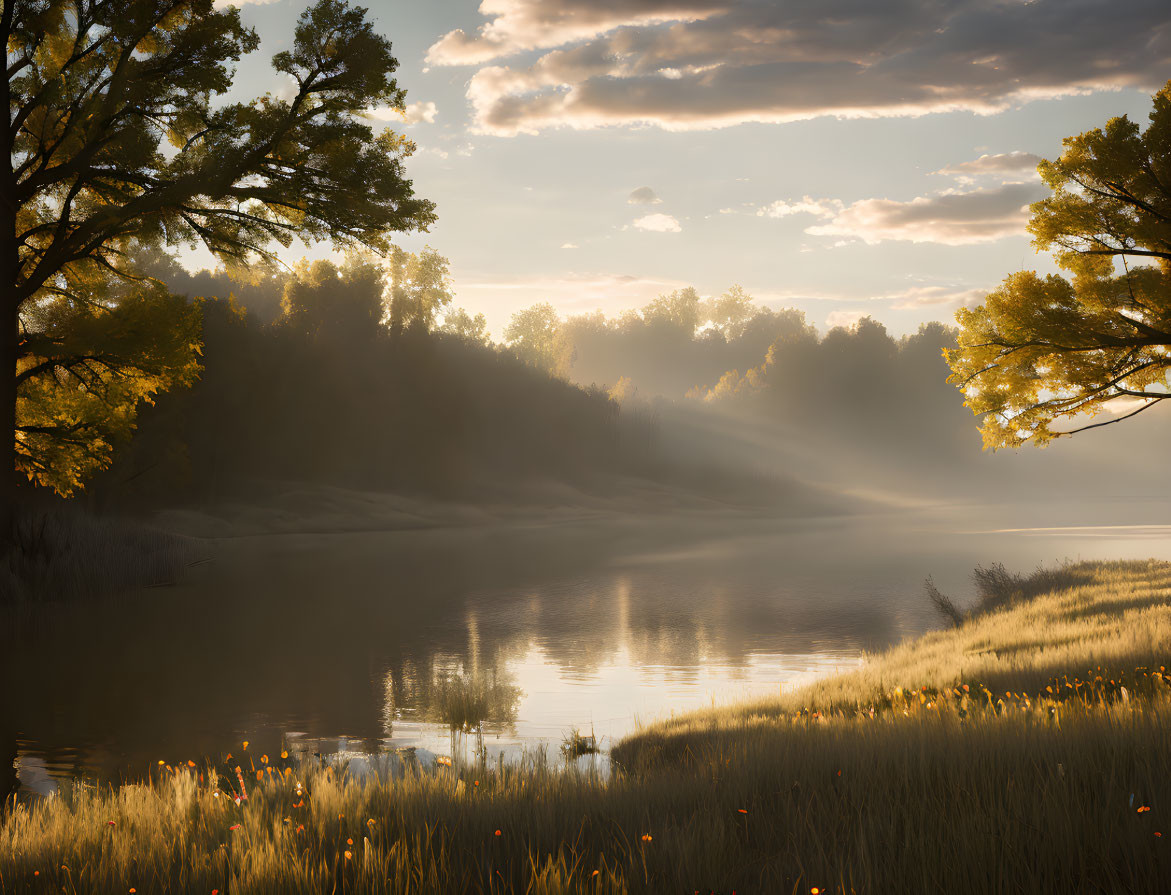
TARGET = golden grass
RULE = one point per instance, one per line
(938, 791)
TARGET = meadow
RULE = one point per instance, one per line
(1022, 750)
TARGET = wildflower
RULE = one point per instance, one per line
(965, 688)
(476, 783)
(300, 828)
(349, 842)
(370, 822)
(349, 854)
(1158, 835)
(264, 759)
(110, 823)
(234, 827)
(742, 810)
(133, 891)
(497, 832)
(260, 775)
(36, 873)
(595, 873)
(161, 762)
(190, 763)
(815, 891)
(647, 837)
(284, 753)
(245, 745)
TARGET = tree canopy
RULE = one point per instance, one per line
(1044, 350)
(117, 139)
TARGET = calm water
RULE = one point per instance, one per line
(334, 643)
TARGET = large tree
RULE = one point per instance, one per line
(1047, 350)
(119, 137)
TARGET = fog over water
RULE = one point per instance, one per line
(334, 640)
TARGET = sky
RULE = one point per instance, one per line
(844, 157)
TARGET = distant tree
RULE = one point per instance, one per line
(682, 308)
(94, 88)
(420, 288)
(533, 334)
(460, 323)
(730, 312)
(1044, 349)
(345, 304)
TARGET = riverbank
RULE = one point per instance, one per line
(892, 778)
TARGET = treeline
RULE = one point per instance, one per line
(344, 375)
(676, 344)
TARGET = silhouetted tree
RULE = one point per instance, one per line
(93, 89)
(323, 300)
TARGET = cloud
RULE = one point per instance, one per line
(949, 218)
(644, 195)
(570, 245)
(658, 223)
(692, 64)
(425, 112)
(412, 114)
(935, 296)
(1003, 165)
(519, 25)
(822, 208)
(844, 318)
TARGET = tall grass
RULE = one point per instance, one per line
(859, 784)
(60, 553)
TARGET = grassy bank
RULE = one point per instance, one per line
(893, 778)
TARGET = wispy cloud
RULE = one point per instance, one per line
(949, 218)
(822, 208)
(658, 223)
(1004, 166)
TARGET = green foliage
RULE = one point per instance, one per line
(463, 325)
(1043, 350)
(323, 300)
(420, 288)
(118, 141)
(533, 334)
(86, 369)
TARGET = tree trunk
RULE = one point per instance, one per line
(9, 305)
(7, 426)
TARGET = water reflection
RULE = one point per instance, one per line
(596, 626)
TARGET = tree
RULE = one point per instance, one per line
(94, 88)
(462, 324)
(420, 287)
(322, 300)
(731, 311)
(533, 334)
(681, 308)
(1046, 349)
